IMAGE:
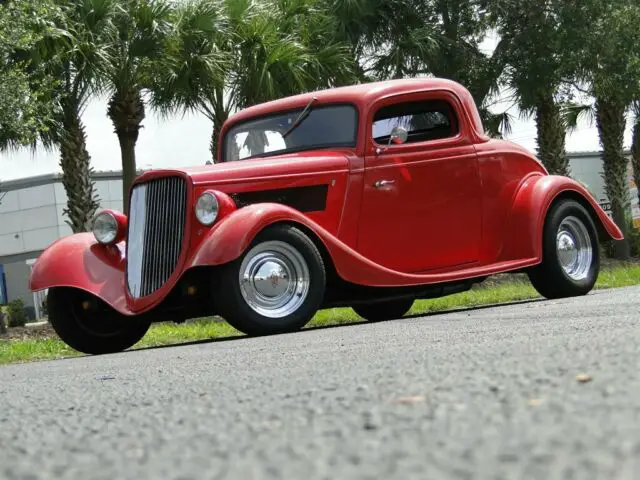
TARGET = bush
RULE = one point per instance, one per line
(634, 240)
(17, 315)
(3, 326)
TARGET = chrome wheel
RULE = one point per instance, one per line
(274, 279)
(574, 248)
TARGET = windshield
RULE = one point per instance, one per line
(324, 127)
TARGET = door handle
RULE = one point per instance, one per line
(383, 183)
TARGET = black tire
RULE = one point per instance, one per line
(88, 325)
(228, 294)
(380, 311)
(549, 278)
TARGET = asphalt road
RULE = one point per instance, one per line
(486, 393)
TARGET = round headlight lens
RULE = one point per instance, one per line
(207, 208)
(105, 228)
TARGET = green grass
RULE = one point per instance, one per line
(12, 351)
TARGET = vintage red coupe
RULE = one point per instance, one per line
(368, 196)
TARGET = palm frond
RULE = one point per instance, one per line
(497, 125)
(571, 114)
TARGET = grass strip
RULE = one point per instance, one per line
(12, 351)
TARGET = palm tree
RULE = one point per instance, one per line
(27, 102)
(72, 54)
(140, 29)
(400, 38)
(635, 145)
(539, 42)
(227, 56)
(610, 63)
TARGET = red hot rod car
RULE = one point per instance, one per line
(368, 196)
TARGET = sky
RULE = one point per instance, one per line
(182, 141)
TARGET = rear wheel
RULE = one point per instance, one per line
(277, 286)
(88, 325)
(380, 311)
(571, 253)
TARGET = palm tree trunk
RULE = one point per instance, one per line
(218, 117)
(218, 121)
(82, 199)
(610, 118)
(635, 154)
(551, 136)
(126, 111)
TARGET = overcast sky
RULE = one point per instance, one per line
(184, 141)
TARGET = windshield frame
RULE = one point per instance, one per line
(298, 109)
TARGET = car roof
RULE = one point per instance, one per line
(360, 94)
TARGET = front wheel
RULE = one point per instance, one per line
(570, 253)
(277, 286)
(90, 326)
(380, 311)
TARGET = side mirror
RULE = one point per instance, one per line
(398, 136)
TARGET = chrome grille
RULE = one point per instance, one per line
(157, 216)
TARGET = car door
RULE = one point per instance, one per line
(422, 201)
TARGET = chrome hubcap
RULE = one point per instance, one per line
(274, 279)
(574, 248)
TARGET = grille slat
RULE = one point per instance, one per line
(166, 233)
(173, 215)
(157, 235)
(156, 231)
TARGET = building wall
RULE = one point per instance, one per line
(587, 168)
(17, 278)
(31, 216)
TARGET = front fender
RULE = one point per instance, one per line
(231, 236)
(79, 261)
(523, 238)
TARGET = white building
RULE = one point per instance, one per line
(31, 218)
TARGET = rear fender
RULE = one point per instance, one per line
(537, 193)
(79, 261)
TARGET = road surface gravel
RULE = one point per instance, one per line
(491, 393)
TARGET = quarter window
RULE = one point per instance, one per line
(423, 120)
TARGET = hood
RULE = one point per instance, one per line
(276, 166)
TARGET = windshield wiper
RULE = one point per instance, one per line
(303, 114)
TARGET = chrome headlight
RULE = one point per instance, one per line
(207, 208)
(105, 228)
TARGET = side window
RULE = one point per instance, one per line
(424, 120)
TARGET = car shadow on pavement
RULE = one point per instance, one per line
(311, 329)
(350, 324)
(477, 308)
